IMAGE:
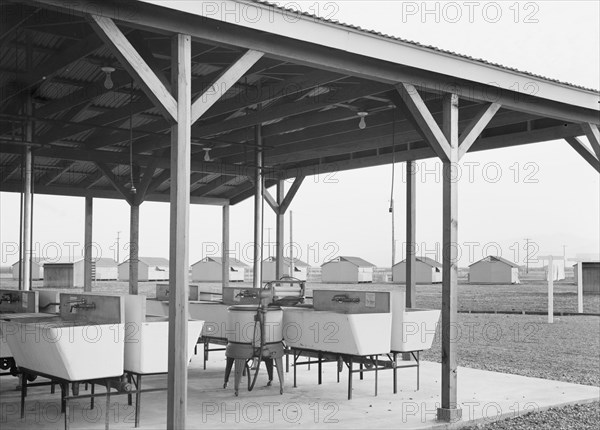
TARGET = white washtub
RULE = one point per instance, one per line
(74, 351)
(5, 351)
(147, 338)
(355, 334)
(414, 329)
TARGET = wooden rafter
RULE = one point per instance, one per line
(131, 60)
(223, 83)
(285, 204)
(288, 109)
(271, 201)
(49, 177)
(593, 135)
(475, 127)
(585, 153)
(424, 120)
(115, 182)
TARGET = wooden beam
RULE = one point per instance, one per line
(271, 201)
(291, 108)
(223, 83)
(285, 204)
(425, 121)
(475, 127)
(279, 231)
(53, 65)
(450, 410)
(141, 47)
(103, 193)
(287, 88)
(212, 185)
(181, 77)
(131, 60)
(158, 181)
(50, 177)
(554, 101)
(114, 181)
(88, 245)
(585, 153)
(134, 245)
(593, 135)
(225, 247)
(411, 232)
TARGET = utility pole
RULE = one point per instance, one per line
(118, 246)
(527, 251)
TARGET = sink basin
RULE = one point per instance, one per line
(70, 350)
(147, 338)
(82, 343)
(355, 334)
(414, 329)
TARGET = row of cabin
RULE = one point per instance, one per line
(489, 270)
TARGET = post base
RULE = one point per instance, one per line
(449, 415)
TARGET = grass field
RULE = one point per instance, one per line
(568, 350)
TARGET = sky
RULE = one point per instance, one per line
(543, 192)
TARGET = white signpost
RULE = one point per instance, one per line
(550, 259)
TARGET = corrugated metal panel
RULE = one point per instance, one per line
(293, 11)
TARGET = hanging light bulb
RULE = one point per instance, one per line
(362, 123)
(206, 154)
(108, 82)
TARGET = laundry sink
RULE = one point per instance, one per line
(147, 337)
(414, 329)
(86, 341)
(344, 322)
(15, 304)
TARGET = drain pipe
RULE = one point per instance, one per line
(258, 207)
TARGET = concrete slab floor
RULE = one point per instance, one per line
(484, 396)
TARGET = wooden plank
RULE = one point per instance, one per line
(225, 248)
(475, 127)
(411, 231)
(593, 135)
(423, 118)
(114, 181)
(179, 233)
(450, 410)
(88, 245)
(285, 204)
(131, 60)
(271, 201)
(585, 153)
(223, 83)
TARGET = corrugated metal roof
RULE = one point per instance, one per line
(287, 260)
(219, 260)
(493, 259)
(357, 261)
(289, 10)
(429, 261)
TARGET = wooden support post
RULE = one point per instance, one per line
(449, 410)
(134, 244)
(280, 224)
(87, 245)
(225, 246)
(580, 287)
(551, 290)
(181, 79)
(258, 207)
(26, 263)
(411, 228)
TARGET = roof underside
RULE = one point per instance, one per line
(93, 141)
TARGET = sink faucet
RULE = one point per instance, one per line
(81, 304)
(9, 298)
